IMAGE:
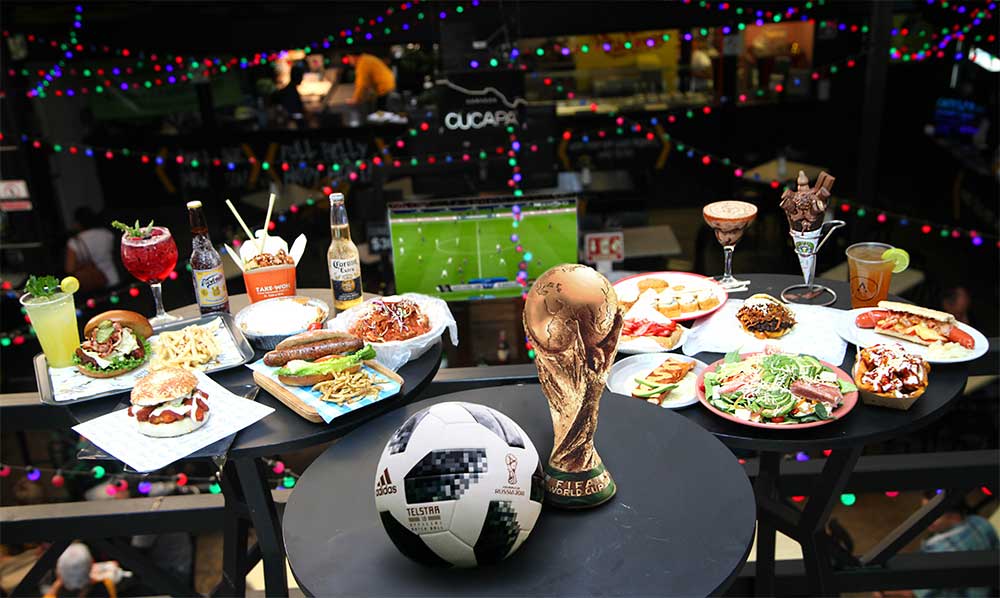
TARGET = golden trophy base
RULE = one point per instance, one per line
(580, 489)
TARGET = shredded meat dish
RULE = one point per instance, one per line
(765, 318)
(391, 321)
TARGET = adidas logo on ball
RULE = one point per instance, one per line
(385, 485)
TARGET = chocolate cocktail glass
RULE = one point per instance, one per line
(729, 219)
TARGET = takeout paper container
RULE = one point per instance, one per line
(871, 398)
(249, 249)
(394, 354)
(270, 282)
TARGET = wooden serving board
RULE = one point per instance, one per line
(281, 392)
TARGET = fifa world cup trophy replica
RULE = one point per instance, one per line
(573, 320)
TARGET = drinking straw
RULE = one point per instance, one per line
(267, 223)
(246, 229)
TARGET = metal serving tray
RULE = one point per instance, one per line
(46, 392)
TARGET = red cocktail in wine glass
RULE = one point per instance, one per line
(150, 255)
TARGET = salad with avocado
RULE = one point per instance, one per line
(775, 388)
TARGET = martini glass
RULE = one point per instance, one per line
(729, 219)
(151, 261)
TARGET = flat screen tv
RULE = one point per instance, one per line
(474, 248)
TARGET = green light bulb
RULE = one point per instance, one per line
(540, 52)
(288, 481)
(585, 48)
(215, 489)
(848, 499)
(98, 471)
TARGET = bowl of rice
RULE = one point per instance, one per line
(267, 323)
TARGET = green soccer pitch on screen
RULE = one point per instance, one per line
(475, 249)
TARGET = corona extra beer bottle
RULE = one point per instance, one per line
(343, 258)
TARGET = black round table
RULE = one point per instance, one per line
(681, 524)
(844, 438)
(244, 473)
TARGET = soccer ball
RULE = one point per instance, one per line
(459, 485)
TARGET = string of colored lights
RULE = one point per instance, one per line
(119, 482)
(55, 71)
(206, 66)
(761, 18)
(846, 207)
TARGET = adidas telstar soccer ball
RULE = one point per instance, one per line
(458, 484)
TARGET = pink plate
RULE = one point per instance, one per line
(687, 279)
(850, 400)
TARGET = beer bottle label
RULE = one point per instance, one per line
(345, 278)
(210, 287)
(346, 290)
(344, 269)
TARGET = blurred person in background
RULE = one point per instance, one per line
(373, 80)
(90, 253)
(289, 100)
(78, 575)
(955, 530)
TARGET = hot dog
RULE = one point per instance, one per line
(312, 345)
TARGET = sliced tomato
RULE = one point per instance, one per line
(316, 326)
(868, 319)
(777, 420)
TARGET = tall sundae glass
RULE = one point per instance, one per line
(805, 208)
(729, 219)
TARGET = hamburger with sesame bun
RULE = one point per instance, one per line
(168, 402)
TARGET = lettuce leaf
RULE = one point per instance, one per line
(330, 365)
(121, 362)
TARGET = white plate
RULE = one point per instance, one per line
(864, 338)
(648, 345)
(688, 279)
(621, 380)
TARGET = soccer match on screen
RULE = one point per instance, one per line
(460, 251)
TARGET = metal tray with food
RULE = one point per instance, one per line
(209, 343)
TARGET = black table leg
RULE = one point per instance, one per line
(812, 525)
(765, 487)
(236, 528)
(264, 515)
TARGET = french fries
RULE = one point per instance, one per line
(191, 348)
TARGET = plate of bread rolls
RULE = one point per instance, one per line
(680, 296)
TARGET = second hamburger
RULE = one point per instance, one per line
(167, 402)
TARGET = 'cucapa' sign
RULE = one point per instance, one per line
(479, 120)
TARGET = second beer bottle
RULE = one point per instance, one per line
(343, 258)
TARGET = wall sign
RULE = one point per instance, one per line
(604, 247)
